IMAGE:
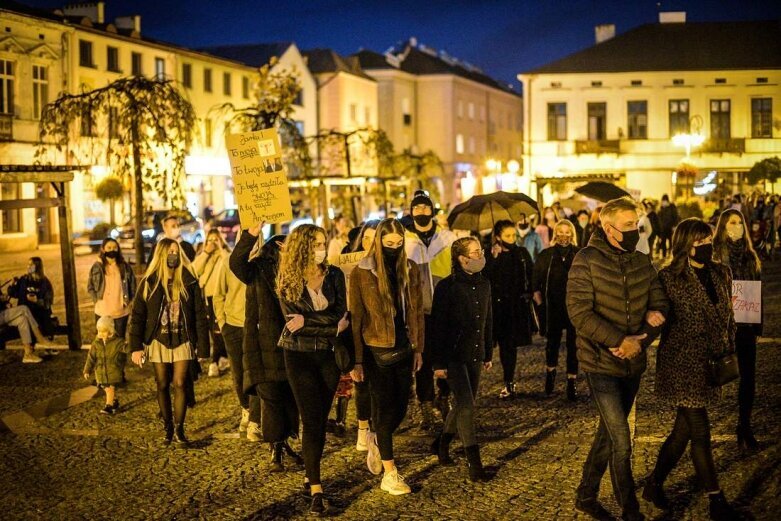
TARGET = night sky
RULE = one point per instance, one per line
(503, 37)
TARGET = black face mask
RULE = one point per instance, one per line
(173, 260)
(422, 220)
(112, 254)
(509, 245)
(391, 253)
(703, 253)
(630, 240)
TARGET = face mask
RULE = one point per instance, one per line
(703, 253)
(735, 232)
(31, 270)
(319, 257)
(583, 222)
(422, 220)
(112, 254)
(630, 240)
(508, 245)
(665, 203)
(563, 241)
(173, 260)
(523, 232)
(391, 253)
(475, 265)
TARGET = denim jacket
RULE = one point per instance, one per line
(96, 284)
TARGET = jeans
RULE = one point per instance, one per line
(508, 356)
(424, 379)
(279, 418)
(612, 444)
(313, 377)
(22, 319)
(690, 424)
(552, 348)
(233, 337)
(120, 325)
(746, 348)
(389, 387)
(464, 380)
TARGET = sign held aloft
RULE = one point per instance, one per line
(747, 301)
(259, 177)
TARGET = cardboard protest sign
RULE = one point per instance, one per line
(348, 261)
(259, 177)
(747, 301)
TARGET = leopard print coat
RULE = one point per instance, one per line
(696, 330)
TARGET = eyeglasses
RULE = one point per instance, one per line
(476, 254)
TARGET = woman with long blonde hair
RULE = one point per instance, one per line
(169, 322)
(386, 302)
(314, 301)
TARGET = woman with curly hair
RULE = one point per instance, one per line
(313, 299)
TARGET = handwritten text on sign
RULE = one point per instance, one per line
(747, 301)
(259, 177)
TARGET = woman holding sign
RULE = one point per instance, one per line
(313, 299)
(733, 249)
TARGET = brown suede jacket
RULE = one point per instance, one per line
(370, 326)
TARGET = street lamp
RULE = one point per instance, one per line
(688, 141)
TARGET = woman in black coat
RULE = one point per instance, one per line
(549, 282)
(509, 268)
(263, 359)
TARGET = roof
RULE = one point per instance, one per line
(680, 47)
(254, 55)
(328, 60)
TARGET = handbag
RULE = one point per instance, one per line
(344, 351)
(385, 357)
(723, 369)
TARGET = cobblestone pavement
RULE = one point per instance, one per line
(60, 459)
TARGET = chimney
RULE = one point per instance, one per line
(604, 32)
(129, 22)
(672, 17)
(95, 11)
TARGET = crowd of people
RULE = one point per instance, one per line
(419, 314)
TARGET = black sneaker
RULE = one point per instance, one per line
(108, 409)
(593, 508)
(115, 405)
(319, 506)
(550, 381)
(572, 390)
(306, 489)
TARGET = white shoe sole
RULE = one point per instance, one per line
(361, 448)
(394, 492)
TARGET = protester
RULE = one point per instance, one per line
(107, 357)
(22, 318)
(35, 291)
(644, 227)
(528, 238)
(207, 266)
(171, 230)
(386, 307)
(509, 269)
(668, 219)
(462, 345)
(583, 228)
(545, 228)
(653, 219)
(613, 294)
(549, 283)
(112, 286)
(701, 328)
(339, 238)
(732, 249)
(313, 299)
(429, 247)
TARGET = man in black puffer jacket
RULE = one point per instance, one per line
(616, 303)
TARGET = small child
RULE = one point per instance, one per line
(107, 358)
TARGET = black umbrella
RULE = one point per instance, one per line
(601, 191)
(482, 211)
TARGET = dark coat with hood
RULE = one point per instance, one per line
(511, 288)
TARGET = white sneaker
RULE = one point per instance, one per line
(360, 444)
(394, 484)
(224, 364)
(244, 420)
(31, 358)
(373, 459)
(253, 432)
(214, 370)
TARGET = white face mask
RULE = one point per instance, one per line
(735, 232)
(319, 257)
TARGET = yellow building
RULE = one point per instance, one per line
(613, 110)
(432, 101)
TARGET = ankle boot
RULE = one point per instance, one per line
(572, 391)
(179, 438)
(746, 439)
(653, 492)
(720, 510)
(443, 448)
(476, 472)
(276, 457)
(297, 459)
(508, 391)
(550, 381)
(341, 416)
(169, 431)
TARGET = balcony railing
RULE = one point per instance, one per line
(601, 146)
(729, 145)
(6, 127)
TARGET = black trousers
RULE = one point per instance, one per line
(690, 424)
(508, 356)
(120, 325)
(651, 243)
(279, 418)
(233, 337)
(665, 242)
(389, 387)
(424, 379)
(218, 345)
(313, 377)
(554, 343)
(363, 400)
(746, 347)
(464, 379)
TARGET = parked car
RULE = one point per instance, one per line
(191, 230)
(227, 221)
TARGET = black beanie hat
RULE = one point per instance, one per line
(421, 197)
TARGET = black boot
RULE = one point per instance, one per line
(720, 510)
(550, 380)
(653, 492)
(297, 459)
(476, 472)
(169, 431)
(179, 438)
(341, 416)
(442, 403)
(441, 447)
(572, 391)
(276, 457)
(746, 439)
(319, 506)
(593, 508)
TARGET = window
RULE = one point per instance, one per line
(87, 123)
(679, 116)
(187, 75)
(6, 87)
(638, 119)
(720, 80)
(555, 84)
(207, 80)
(245, 88)
(207, 132)
(557, 121)
(459, 144)
(637, 83)
(678, 81)
(367, 115)
(226, 83)
(471, 110)
(761, 80)
(353, 112)
(471, 144)
(460, 109)
(113, 123)
(405, 111)
(300, 127)
(596, 121)
(720, 119)
(40, 89)
(761, 117)
(407, 119)
(596, 83)
(85, 54)
(112, 59)
(135, 64)
(159, 68)
(12, 219)
(482, 113)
